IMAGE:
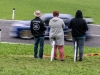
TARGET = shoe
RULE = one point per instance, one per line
(41, 58)
(80, 59)
(35, 57)
(76, 58)
(55, 59)
(63, 60)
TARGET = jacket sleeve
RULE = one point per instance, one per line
(63, 24)
(86, 26)
(50, 23)
(44, 25)
(70, 25)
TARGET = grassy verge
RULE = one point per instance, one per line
(12, 64)
(24, 8)
(27, 49)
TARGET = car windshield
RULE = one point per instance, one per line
(66, 18)
(66, 21)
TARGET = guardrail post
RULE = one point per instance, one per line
(13, 13)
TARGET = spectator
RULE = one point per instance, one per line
(38, 28)
(79, 28)
(56, 33)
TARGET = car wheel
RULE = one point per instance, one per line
(25, 34)
(68, 37)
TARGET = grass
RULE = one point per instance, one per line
(27, 49)
(15, 59)
(30, 66)
(25, 8)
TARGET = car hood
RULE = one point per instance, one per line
(21, 23)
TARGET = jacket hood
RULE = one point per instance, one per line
(79, 14)
(55, 19)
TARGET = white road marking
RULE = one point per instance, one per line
(94, 25)
(95, 35)
(16, 43)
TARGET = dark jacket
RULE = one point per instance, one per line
(37, 27)
(78, 25)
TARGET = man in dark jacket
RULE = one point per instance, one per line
(79, 28)
(38, 28)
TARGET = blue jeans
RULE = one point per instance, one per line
(80, 45)
(38, 41)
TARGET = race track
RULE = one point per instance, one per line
(5, 25)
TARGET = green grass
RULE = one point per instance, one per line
(25, 8)
(27, 49)
(15, 59)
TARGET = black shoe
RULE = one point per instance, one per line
(55, 59)
(41, 58)
(35, 57)
(62, 60)
(76, 58)
(80, 59)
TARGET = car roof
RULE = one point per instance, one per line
(50, 15)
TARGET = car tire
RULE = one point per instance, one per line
(68, 37)
(25, 34)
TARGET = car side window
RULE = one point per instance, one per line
(66, 21)
(47, 21)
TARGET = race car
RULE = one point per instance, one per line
(21, 29)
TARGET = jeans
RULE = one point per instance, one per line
(80, 46)
(38, 41)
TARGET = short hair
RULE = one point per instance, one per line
(56, 13)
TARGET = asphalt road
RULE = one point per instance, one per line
(5, 25)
